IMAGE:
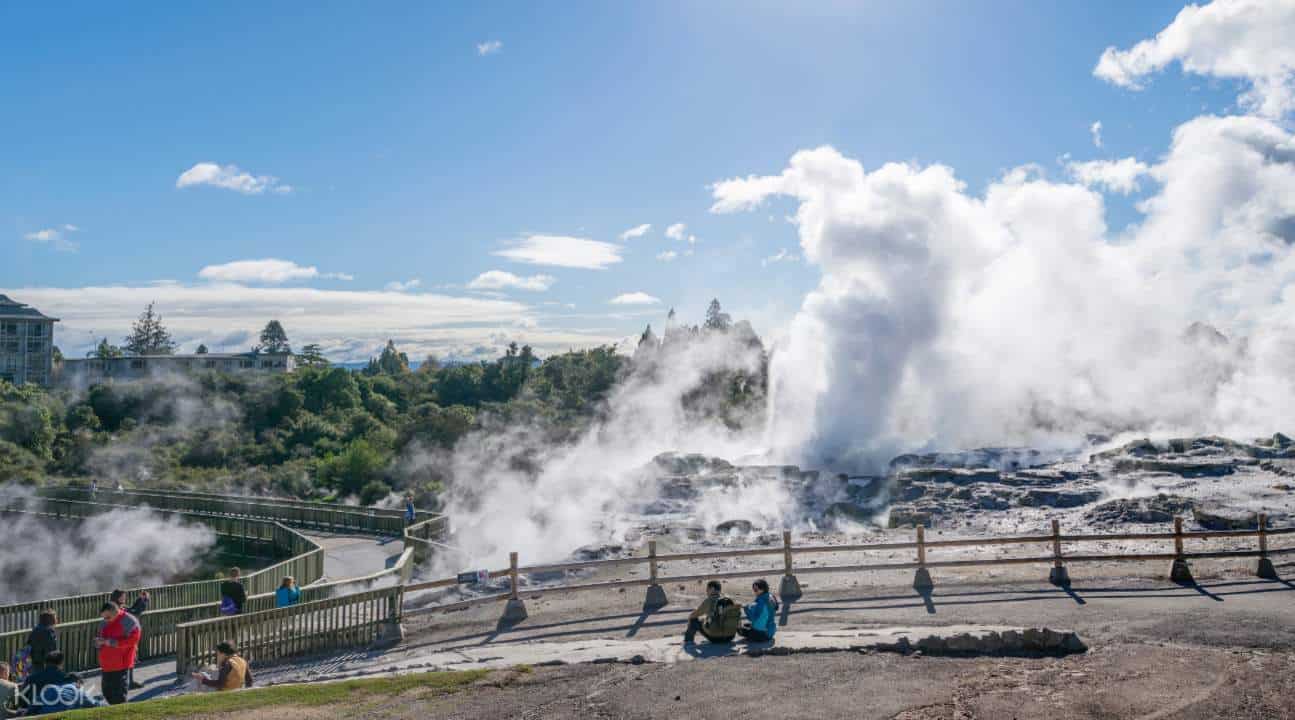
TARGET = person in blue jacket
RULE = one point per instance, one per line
(287, 594)
(761, 615)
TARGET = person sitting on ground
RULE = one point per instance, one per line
(8, 693)
(52, 690)
(43, 639)
(287, 594)
(717, 617)
(118, 642)
(762, 615)
(234, 670)
(233, 596)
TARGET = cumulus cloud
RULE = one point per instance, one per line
(676, 231)
(1248, 40)
(783, 255)
(1096, 131)
(667, 255)
(562, 251)
(230, 177)
(1014, 317)
(634, 298)
(501, 280)
(1119, 176)
(636, 231)
(490, 47)
(265, 272)
(56, 237)
(403, 285)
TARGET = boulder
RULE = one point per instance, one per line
(1156, 509)
(1216, 518)
(742, 527)
(1035, 497)
(907, 516)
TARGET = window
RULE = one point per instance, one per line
(209, 363)
(35, 330)
(247, 363)
(267, 363)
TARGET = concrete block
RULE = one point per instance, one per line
(1264, 569)
(922, 581)
(1180, 572)
(1059, 577)
(656, 597)
(515, 611)
(790, 587)
(390, 633)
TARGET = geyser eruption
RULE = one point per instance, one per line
(944, 320)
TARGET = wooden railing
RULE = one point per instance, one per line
(427, 538)
(305, 562)
(297, 513)
(789, 569)
(353, 620)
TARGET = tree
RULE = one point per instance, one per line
(312, 356)
(274, 339)
(202, 350)
(391, 362)
(104, 351)
(148, 336)
(716, 318)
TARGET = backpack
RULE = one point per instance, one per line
(227, 606)
(724, 618)
(20, 667)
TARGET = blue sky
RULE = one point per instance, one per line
(405, 146)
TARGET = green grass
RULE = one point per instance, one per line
(310, 694)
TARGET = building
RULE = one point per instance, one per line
(137, 367)
(26, 344)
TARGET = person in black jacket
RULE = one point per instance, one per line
(233, 590)
(43, 640)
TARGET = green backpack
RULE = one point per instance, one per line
(724, 619)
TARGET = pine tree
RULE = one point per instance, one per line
(716, 318)
(148, 336)
(274, 339)
(392, 361)
(312, 356)
(104, 351)
(202, 350)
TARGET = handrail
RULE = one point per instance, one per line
(305, 562)
(1057, 558)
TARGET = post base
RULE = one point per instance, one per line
(1059, 576)
(515, 611)
(922, 581)
(655, 597)
(1264, 569)
(390, 633)
(790, 587)
(1180, 572)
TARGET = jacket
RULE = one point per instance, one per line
(763, 614)
(139, 607)
(234, 590)
(122, 634)
(30, 695)
(234, 674)
(43, 641)
(283, 597)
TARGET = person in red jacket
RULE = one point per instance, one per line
(118, 640)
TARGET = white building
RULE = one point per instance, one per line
(26, 344)
(136, 367)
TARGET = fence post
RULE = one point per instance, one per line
(656, 596)
(515, 611)
(790, 587)
(922, 579)
(1179, 571)
(1059, 576)
(1264, 568)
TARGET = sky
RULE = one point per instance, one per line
(456, 176)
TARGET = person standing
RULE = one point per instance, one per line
(411, 514)
(287, 594)
(43, 639)
(118, 642)
(233, 596)
(137, 608)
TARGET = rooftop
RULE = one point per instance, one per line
(12, 310)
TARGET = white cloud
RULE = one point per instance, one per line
(634, 298)
(490, 47)
(501, 280)
(667, 256)
(783, 255)
(230, 177)
(676, 231)
(265, 272)
(349, 325)
(1246, 40)
(636, 231)
(692, 239)
(403, 285)
(55, 238)
(1096, 131)
(1119, 176)
(562, 251)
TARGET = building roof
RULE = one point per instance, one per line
(11, 310)
(190, 356)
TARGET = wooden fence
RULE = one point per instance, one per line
(305, 561)
(353, 620)
(427, 538)
(1058, 558)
